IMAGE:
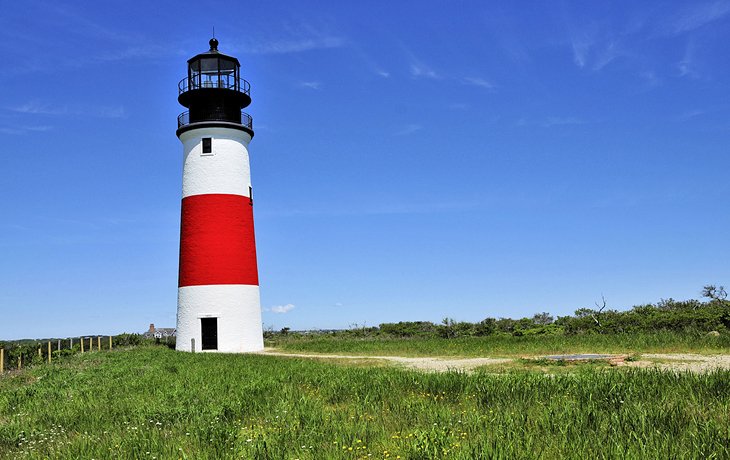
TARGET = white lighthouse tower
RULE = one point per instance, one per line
(218, 307)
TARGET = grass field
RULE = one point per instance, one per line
(507, 345)
(155, 403)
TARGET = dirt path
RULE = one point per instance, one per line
(672, 361)
(422, 364)
(682, 361)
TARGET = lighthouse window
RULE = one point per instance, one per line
(250, 195)
(207, 145)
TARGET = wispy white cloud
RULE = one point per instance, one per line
(699, 15)
(40, 108)
(580, 51)
(562, 121)
(36, 107)
(549, 122)
(72, 24)
(281, 309)
(480, 82)
(110, 112)
(295, 46)
(20, 130)
(581, 46)
(41, 128)
(650, 77)
(420, 70)
(458, 106)
(371, 64)
(138, 52)
(593, 52)
(686, 65)
(79, 23)
(60, 61)
(294, 39)
(597, 44)
(408, 129)
(607, 54)
(311, 84)
(691, 114)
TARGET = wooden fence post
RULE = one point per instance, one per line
(59, 344)
(82, 344)
(20, 362)
(39, 352)
(71, 343)
(91, 344)
(49, 352)
(98, 343)
(110, 342)
(2, 360)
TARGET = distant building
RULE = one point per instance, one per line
(159, 332)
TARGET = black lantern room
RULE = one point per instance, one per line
(214, 93)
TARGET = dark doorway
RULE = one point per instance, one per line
(209, 328)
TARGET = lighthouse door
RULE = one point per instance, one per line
(209, 329)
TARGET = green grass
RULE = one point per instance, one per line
(156, 403)
(549, 366)
(507, 345)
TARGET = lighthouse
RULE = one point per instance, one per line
(218, 306)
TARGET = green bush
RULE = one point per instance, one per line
(409, 329)
(126, 340)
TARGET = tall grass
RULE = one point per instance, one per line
(156, 403)
(508, 345)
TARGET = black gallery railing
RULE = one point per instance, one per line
(223, 81)
(184, 119)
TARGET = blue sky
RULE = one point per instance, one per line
(412, 160)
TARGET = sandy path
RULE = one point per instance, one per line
(420, 363)
(682, 361)
(672, 361)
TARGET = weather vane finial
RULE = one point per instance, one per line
(213, 42)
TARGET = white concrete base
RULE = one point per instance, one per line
(237, 308)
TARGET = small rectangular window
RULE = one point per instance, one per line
(250, 195)
(207, 145)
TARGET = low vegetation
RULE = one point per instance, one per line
(505, 345)
(665, 327)
(151, 402)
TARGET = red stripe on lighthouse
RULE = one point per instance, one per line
(217, 243)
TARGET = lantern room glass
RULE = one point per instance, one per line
(213, 72)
